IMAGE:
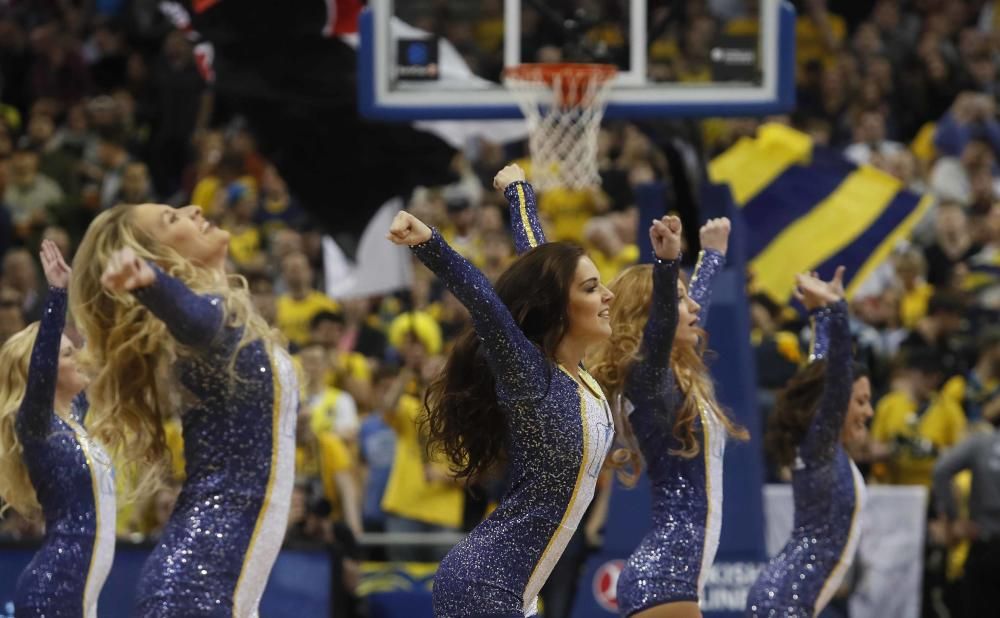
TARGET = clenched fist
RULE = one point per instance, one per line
(715, 235)
(126, 272)
(665, 234)
(508, 176)
(408, 230)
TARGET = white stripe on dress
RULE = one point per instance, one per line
(103, 482)
(715, 450)
(598, 436)
(853, 536)
(273, 519)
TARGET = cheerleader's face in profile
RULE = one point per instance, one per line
(687, 317)
(185, 231)
(589, 309)
(859, 411)
(71, 378)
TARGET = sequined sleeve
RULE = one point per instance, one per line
(710, 263)
(819, 319)
(34, 417)
(193, 319)
(519, 366)
(524, 221)
(651, 375)
(819, 444)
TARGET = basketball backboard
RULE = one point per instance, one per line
(428, 59)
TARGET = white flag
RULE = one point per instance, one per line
(381, 267)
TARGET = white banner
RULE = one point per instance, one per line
(382, 267)
(889, 564)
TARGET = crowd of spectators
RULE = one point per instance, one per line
(104, 105)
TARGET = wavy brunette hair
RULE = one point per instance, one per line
(795, 409)
(463, 418)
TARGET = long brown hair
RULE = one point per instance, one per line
(795, 409)
(610, 363)
(463, 418)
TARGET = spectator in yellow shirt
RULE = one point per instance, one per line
(329, 408)
(323, 455)
(245, 237)
(462, 231)
(607, 247)
(421, 495)
(298, 306)
(978, 391)
(915, 292)
(498, 252)
(568, 211)
(346, 369)
(213, 190)
(915, 422)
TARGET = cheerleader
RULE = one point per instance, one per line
(513, 394)
(162, 318)
(823, 408)
(49, 465)
(652, 369)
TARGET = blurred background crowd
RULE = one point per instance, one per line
(105, 102)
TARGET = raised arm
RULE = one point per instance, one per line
(652, 373)
(658, 335)
(519, 366)
(714, 237)
(820, 345)
(524, 221)
(193, 319)
(821, 438)
(34, 417)
(710, 263)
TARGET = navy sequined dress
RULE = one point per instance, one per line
(828, 492)
(672, 561)
(74, 483)
(559, 435)
(216, 552)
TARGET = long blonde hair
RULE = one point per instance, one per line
(129, 351)
(610, 362)
(15, 485)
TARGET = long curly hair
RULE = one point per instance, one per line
(463, 419)
(15, 485)
(610, 362)
(130, 352)
(795, 409)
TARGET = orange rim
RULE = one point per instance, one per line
(572, 77)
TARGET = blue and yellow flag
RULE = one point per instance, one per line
(808, 208)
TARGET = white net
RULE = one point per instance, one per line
(563, 105)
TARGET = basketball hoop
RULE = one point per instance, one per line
(563, 104)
